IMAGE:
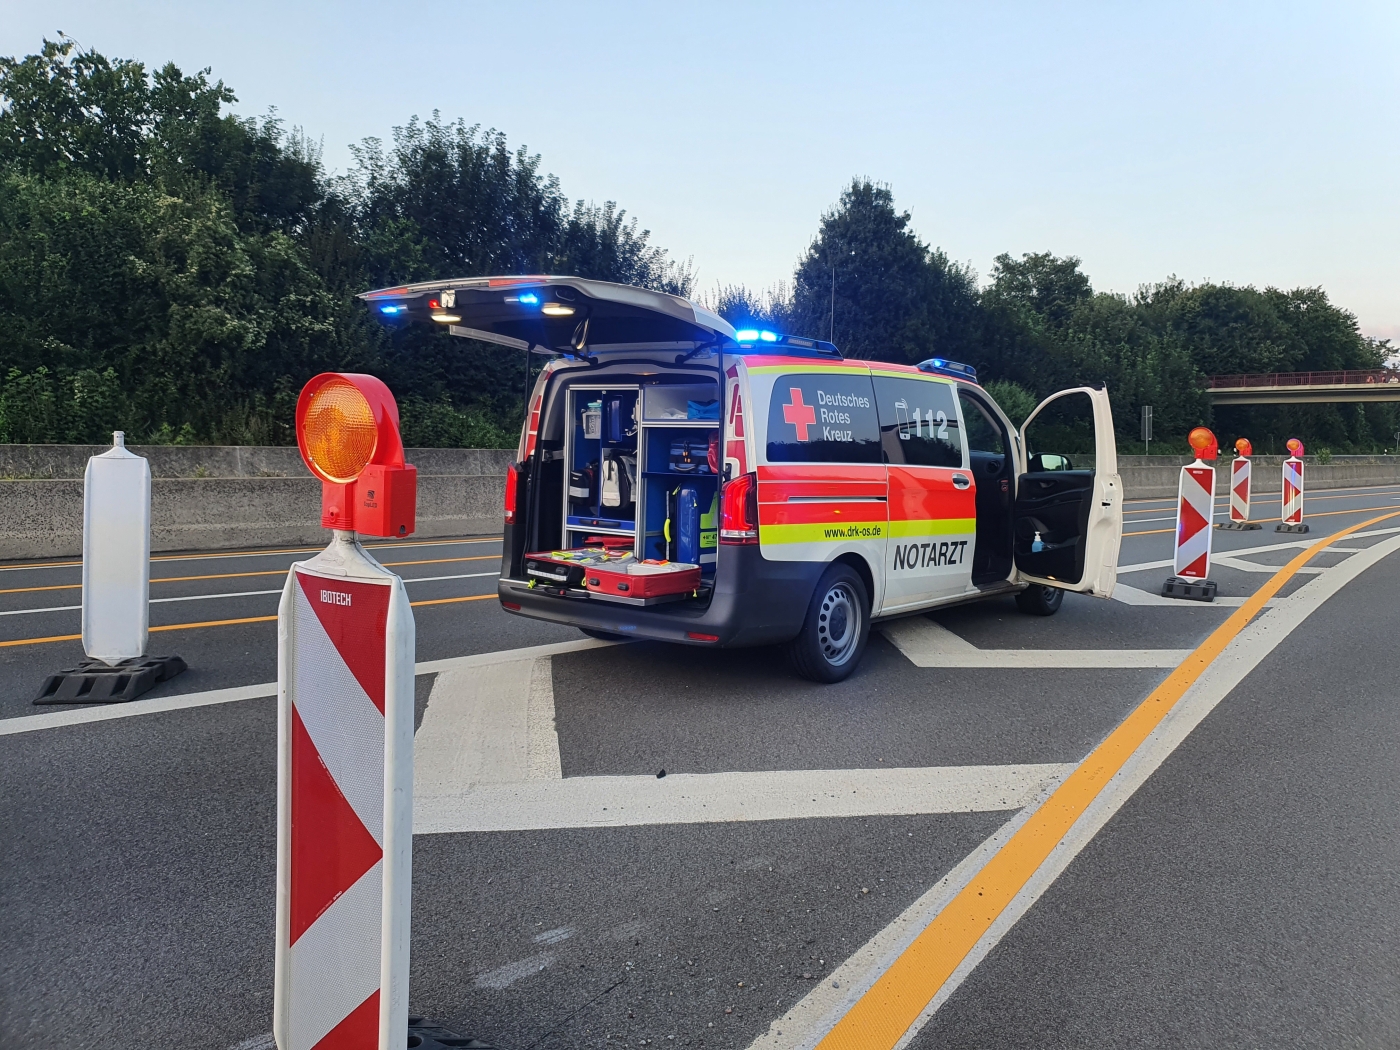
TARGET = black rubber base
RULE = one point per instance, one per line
(1192, 590)
(1283, 526)
(96, 682)
(1238, 526)
(424, 1035)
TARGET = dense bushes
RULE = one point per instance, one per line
(178, 272)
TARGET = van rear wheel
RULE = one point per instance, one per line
(834, 634)
(1039, 600)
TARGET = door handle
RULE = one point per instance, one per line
(961, 481)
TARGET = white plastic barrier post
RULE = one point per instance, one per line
(1291, 518)
(344, 803)
(1195, 509)
(116, 553)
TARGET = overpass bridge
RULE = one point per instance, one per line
(1283, 388)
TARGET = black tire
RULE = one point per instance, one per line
(834, 634)
(1039, 600)
(603, 636)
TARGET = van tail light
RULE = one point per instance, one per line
(738, 521)
(512, 484)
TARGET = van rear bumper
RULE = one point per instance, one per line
(756, 602)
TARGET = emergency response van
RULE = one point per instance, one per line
(679, 480)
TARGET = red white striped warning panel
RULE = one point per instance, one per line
(1239, 489)
(1195, 507)
(345, 783)
(1292, 491)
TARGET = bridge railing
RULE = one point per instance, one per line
(1277, 379)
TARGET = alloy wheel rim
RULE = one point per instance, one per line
(838, 624)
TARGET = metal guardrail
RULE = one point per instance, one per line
(1281, 379)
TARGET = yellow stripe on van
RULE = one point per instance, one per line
(823, 532)
(933, 527)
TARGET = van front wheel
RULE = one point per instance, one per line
(834, 633)
(1039, 600)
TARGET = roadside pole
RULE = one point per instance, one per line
(345, 659)
(1239, 490)
(1195, 507)
(1291, 516)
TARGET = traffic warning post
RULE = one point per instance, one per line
(1292, 514)
(1195, 509)
(1239, 490)
(345, 738)
(116, 587)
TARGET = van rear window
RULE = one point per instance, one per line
(823, 418)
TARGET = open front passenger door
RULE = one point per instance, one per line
(1068, 515)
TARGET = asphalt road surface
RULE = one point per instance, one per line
(1237, 882)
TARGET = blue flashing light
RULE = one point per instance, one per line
(391, 309)
(746, 335)
(530, 299)
(768, 337)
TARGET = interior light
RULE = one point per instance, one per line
(390, 309)
(530, 299)
(746, 335)
(768, 337)
(554, 309)
(444, 318)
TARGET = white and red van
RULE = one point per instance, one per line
(816, 494)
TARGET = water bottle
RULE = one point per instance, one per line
(1037, 544)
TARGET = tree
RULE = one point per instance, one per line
(882, 293)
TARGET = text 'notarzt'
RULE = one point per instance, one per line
(335, 598)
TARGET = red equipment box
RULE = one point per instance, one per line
(643, 583)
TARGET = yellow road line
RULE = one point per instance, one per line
(255, 554)
(240, 575)
(1319, 514)
(883, 1014)
(225, 623)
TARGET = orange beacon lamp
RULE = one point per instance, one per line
(348, 433)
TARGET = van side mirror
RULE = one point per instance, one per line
(1043, 462)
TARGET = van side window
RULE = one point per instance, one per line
(918, 422)
(825, 418)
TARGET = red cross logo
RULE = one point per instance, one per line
(799, 415)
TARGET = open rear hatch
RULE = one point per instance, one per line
(568, 315)
(621, 466)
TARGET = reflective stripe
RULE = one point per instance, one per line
(932, 527)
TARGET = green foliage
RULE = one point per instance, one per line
(178, 272)
(1015, 400)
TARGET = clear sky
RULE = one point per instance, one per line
(1247, 142)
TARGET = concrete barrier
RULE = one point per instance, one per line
(220, 498)
(223, 498)
(1155, 477)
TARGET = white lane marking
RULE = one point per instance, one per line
(237, 594)
(508, 974)
(804, 1025)
(700, 798)
(1136, 596)
(258, 1042)
(58, 719)
(555, 936)
(1143, 566)
(478, 729)
(1253, 566)
(215, 556)
(928, 644)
